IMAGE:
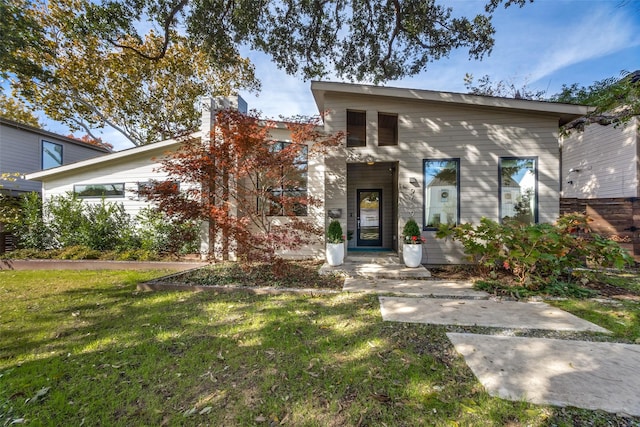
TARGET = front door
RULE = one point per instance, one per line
(369, 224)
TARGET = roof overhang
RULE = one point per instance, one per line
(150, 150)
(564, 112)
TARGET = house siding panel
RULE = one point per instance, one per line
(21, 151)
(478, 136)
(604, 160)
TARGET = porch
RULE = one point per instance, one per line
(376, 265)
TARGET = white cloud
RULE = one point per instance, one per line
(597, 34)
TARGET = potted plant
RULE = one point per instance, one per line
(335, 243)
(412, 244)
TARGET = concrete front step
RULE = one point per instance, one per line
(418, 288)
(377, 271)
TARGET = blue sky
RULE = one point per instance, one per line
(544, 45)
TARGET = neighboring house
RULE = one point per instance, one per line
(25, 149)
(601, 177)
(437, 157)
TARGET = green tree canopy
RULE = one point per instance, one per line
(616, 99)
(375, 40)
(88, 83)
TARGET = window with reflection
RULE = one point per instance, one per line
(441, 192)
(99, 190)
(519, 189)
(51, 155)
(287, 189)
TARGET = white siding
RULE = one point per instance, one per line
(604, 160)
(429, 130)
(129, 170)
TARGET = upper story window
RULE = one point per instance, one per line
(442, 192)
(99, 190)
(51, 155)
(519, 189)
(287, 192)
(387, 129)
(356, 128)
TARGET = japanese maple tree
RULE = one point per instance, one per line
(250, 187)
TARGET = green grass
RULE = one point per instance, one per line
(86, 348)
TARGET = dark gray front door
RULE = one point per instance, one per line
(369, 231)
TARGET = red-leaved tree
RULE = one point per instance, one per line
(248, 186)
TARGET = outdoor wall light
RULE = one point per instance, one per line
(370, 160)
(413, 181)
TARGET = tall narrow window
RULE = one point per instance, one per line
(441, 192)
(356, 128)
(287, 190)
(387, 129)
(519, 189)
(51, 155)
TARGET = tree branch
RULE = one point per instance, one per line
(167, 38)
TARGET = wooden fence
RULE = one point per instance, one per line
(615, 218)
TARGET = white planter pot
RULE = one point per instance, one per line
(335, 254)
(412, 255)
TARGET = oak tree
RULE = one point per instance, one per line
(374, 40)
(616, 100)
(88, 83)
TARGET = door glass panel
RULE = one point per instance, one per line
(369, 216)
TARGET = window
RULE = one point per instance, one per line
(154, 187)
(356, 128)
(442, 192)
(519, 189)
(387, 129)
(288, 193)
(99, 190)
(51, 155)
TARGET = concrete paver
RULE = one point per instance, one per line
(437, 288)
(500, 314)
(589, 375)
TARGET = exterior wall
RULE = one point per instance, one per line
(21, 151)
(479, 136)
(129, 170)
(601, 162)
(315, 189)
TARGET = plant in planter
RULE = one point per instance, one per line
(335, 243)
(412, 247)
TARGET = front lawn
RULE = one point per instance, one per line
(86, 348)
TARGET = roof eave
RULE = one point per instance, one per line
(118, 155)
(563, 111)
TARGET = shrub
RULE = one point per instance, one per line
(79, 252)
(160, 234)
(28, 224)
(411, 232)
(334, 232)
(106, 226)
(536, 254)
(66, 220)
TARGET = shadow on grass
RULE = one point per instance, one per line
(111, 355)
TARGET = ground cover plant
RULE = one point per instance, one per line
(87, 348)
(280, 274)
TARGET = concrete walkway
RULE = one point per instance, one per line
(590, 375)
(497, 314)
